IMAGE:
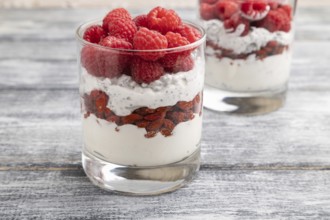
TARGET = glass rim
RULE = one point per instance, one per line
(79, 37)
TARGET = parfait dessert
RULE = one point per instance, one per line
(141, 94)
(248, 53)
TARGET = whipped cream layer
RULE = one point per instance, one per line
(128, 146)
(252, 74)
(256, 39)
(125, 95)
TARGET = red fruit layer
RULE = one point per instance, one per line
(267, 14)
(272, 48)
(162, 119)
(158, 30)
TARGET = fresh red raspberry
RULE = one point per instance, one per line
(189, 32)
(208, 1)
(225, 9)
(141, 21)
(146, 71)
(146, 39)
(276, 20)
(172, 58)
(111, 62)
(254, 10)
(287, 9)
(163, 20)
(89, 60)
(114, 42)
(94, 34)
(236, 20)
(175, 40)
(273, 4)
(122, 28)
(115, 14)
(206, 11)
(183, 64)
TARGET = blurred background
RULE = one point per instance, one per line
(133, 4)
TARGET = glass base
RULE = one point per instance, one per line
(140, 180)
(254, 103)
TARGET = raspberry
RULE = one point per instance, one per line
(182, 65)
(94, 34)
(287, 9)
(206, 11)
(122, 28)
(276, 20)
(141, 21)
(89, 60)
(114, 15)
(225, 9)
(208, 1)
(163, 20)
(146, 71)
(114, 42)
(273, 4)
(254, 10)
(233, 22)
(111, 63)
(146, 39)
(174, 40)
(189, 32)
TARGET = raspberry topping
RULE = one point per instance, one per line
(146, 39)
(163, 20)
(141, 21)
(254, 10)
(122, 28)
(89, 60)
(114, 42)
(189, 32)
(276, 20)
(114, 15)
(94, 34)
(146, 71)
(225, 9)
(206, 11)
(232, 23)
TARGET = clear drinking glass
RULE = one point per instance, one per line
(140, 138)
(248, 54)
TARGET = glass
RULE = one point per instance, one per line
(248, 54)
(140, 138)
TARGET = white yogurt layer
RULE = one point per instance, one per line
(126, 95)
(256, 39)
(128, 146)
(252, 74)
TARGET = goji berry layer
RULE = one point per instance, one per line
(162, 119)
(272, 48)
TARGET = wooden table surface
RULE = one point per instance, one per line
(275, 166)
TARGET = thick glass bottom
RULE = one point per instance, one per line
(253, 103)
(140, 180)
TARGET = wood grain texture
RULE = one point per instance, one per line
(214, 195)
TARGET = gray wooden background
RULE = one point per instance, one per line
(275, 166)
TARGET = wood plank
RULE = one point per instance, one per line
(68, 194)
(43, 126)
(43, 66)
